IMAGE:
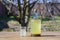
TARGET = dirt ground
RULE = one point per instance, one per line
(16, 36)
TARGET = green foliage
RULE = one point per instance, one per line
(46, 19)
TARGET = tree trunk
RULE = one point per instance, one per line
(22, 20)
(22, 31)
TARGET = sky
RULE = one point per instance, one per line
(58, 1)
(40, 1)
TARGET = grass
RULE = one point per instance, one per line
(10, 21)
(47, 24)
(51, 25)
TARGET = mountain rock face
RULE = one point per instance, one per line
(42, 9)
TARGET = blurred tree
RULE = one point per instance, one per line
(24, 9)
